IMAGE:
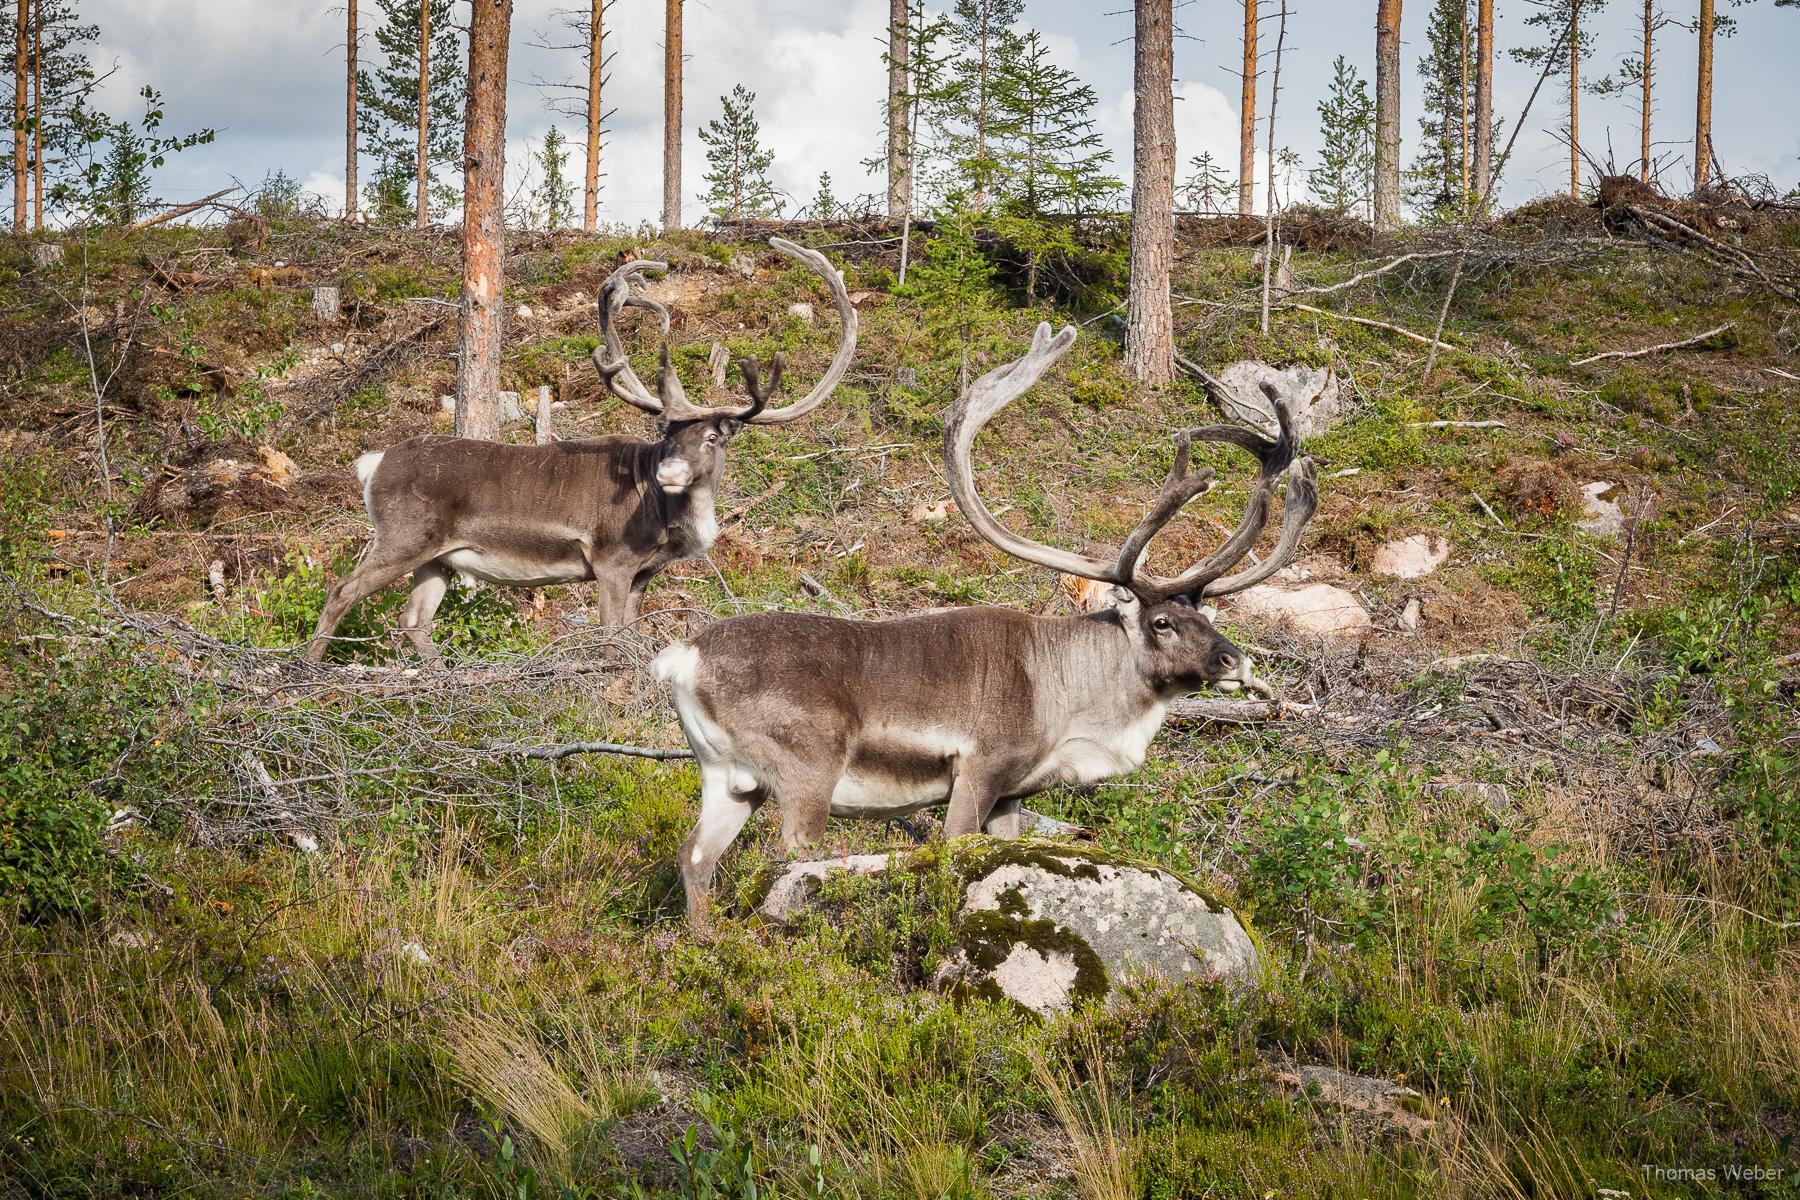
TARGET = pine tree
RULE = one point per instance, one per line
(1344, 180)
(60, 79)
(737, 166)
(387, 114)
(552, 194)
(1046, 153)
(1568, 26)
(1208, 185)
(985, 43)
(954, 282)
(825, 205)
(1436, 181)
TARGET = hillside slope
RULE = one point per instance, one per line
(1531, 846)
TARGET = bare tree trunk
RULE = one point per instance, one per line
(422, 204)
(484, 177)
(21, 56)
(1269, 233)
(1575, 99)
(981, 115)
(590, 185)
(899, 122)
(1150, 333)
(671, 115)
(1644, 117)
(1703, 101)
(1247, 118)
(1463, 88)
(37, 115)
(350, 111)
(1387, 115)
(1484, 97)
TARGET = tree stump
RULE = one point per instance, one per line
(46, 254)
(325, 303)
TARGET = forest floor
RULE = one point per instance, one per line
(267, 930)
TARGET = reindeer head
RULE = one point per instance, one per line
(1171, 634)
(692, 451)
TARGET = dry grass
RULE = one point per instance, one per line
(1105, 1144)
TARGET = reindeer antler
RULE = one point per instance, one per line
(615, 369)
(1000, 387)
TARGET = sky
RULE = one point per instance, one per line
(268, 74)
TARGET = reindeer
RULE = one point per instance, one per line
(615, 510)
(975, 708)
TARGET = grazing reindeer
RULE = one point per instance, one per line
(974, 707)
(615, 510)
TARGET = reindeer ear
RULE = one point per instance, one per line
(1210, 613)
(730, 427)
(1124, 600)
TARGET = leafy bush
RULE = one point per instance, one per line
(471, 621)
(86, 734)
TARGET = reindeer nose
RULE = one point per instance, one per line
(674, 474)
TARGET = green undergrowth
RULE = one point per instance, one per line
(482, 985)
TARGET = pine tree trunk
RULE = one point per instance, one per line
(981, 114)
(1387, 115)
(484, 178)
(671, 115)
(1644, 117)
(1150, 333)
(1703, 101)
(899, 156)
(1247, 117)
(350, 111)
(1484, 98)
(590, 185)
(37, 116)
(422, 204)
(21, 56)
(1575, 99)
(1463, 88)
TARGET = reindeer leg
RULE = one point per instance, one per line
(1003, 821)
(971, 800)
(722, 816)
(429, 583)
(375, 572)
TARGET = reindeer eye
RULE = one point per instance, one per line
(711, 436)
(1162, 625)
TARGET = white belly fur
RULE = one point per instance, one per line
(879, 796)
(498, 568)
(1087, 756)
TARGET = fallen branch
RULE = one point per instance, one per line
(568, 749)
(1372, 324)
(1233, 712)
(1416, 256)
(1697, 338)
(1456, 425)
(182, 210)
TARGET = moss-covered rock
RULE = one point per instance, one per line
(1048, 924)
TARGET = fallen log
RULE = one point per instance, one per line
(1695, 340)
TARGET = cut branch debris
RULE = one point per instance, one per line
(1693, 341)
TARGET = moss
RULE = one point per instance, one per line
(988, 939)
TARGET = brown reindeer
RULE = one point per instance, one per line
(975, 708)
(615, 510)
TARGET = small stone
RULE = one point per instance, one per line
(338, 347)
(414, 953)
(510, 407)
(1602, 518)
(931, 514)
(1411, 557)
(524, 313)
(46, 254)
(1409, 616)
(803, 310)
(744, 265)
(795, 887)
(1318, 610)
(447, 403)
